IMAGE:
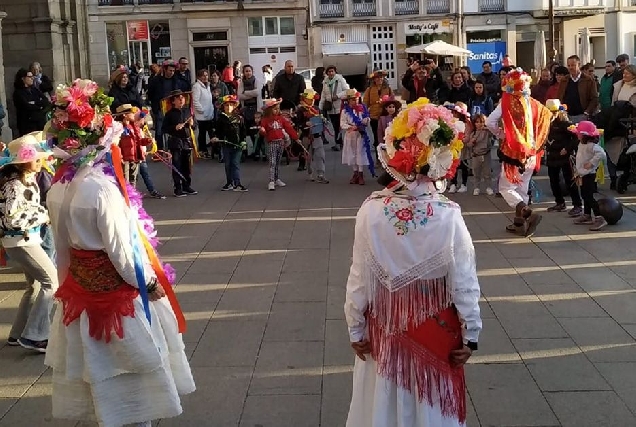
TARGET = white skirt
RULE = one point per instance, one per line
(379, 402)
(131, 380)
(353, 152)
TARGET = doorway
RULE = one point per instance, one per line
(211, 58)
(139, 53)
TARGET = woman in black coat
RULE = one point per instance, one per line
(30, 103)
(123, 91)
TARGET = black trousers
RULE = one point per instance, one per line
(335, 122)
(554, 172)
(588, 186)
(206, 128)
(464, 168)
(181, 162)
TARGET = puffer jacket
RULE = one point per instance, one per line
(372, 97)
(328, 92)
(559, 138)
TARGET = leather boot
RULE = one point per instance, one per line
(354, 178)
(361, 178)
(517, 227)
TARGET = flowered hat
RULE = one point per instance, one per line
(390, 99)
(269, 103)
(25, 149)
(351, 93)
(378, 73)
(229, 99)
(516, 82)
(310, 94)
(555, 105)
(125, 108)
(422, 139)
(586, 128)
(458, 107)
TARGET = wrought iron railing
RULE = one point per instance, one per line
(492, 5)
(331, 9)
(363, 8)
(114, 2)
(407, 7)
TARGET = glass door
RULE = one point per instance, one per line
(139, 53)
(212, 58)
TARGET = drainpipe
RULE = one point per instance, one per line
(460, 28)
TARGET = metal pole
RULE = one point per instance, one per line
(551, 31)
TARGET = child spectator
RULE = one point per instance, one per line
(259, 141)
(460, 111)
(560, 147)
(131, 142)
(308, 119)
(275, 128)
(479, 141)
(230, 132)
(588, 157)
(390, 108)
(354, 122)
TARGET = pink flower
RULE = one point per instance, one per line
(27, 153)
(71, 144)
(88, 87)
(404, 214)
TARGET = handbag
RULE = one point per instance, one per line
(328, 105)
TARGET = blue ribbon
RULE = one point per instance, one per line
(137, 258)
(365, 137)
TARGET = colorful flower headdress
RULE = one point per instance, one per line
(310, 94)
(422, 139)
(229, 98)
(517, 82)
(81, 118)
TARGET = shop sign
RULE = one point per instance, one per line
(493, 52)
(209, 36)
(137, 30)
(427, 27)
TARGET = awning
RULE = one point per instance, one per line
(349, 58)
(336, 49)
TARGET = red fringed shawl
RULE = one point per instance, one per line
(418, 358)
(518, 145)
(93, 285)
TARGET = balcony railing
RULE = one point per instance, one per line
(407, 7)
(114, 2)
(331, 9)
(438, 6)
(155, 1)
(363, 8)
(492, 6)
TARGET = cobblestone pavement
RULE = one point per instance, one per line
(262, 278)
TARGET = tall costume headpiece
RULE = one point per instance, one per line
(526, 123)
(422, 139)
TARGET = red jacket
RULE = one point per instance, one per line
(131, 142)
(274, 127)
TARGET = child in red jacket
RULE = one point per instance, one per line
(276, 129)
(131, 142)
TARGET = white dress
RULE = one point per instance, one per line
(407, 237)
(130, 380)
(353, 152)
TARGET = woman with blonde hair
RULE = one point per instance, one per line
(625, 90)
(372, 98)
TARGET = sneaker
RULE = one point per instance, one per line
(280, 183)
(156, 195)
(227, 187)
(12, 342)
(322, 180)
(462, 189)
(39, 346)
(559, 207)
(476, 192)
(240, 188)
(190, 191)
(575, 211)
(489, 191)
(498, 194)
(271, 186)
(452, 188)
(599, 222)
(583, 220)
(179, 193)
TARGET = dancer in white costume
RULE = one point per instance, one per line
(117, 358)
(412, 293)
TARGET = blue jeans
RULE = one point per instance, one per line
(158, 123)
(47, 241)
(232, 160)
(145, 175)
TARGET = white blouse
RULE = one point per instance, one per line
(20, 210)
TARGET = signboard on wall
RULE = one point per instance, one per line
(493, 52)
(138, 30)
(427, 27)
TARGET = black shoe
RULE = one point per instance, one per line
(335, 148)
(265, 158)
(227, 187)
(240, 188)
(613, 183)
(190, 191)
(179, 193)
(157, 195)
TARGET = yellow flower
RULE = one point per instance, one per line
(400, 128)
(422, 159)
(419, 103)
(456, 148)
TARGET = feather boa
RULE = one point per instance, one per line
(365, 135)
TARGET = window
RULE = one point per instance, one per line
(255, 26)
(271, 26)
(287, 27)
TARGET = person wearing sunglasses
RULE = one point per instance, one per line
(30, 103)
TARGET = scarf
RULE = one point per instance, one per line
(361, 108)
(526, 123)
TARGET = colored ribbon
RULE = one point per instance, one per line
(116, 161)
(365, 136)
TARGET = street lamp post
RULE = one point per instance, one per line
(551, 30)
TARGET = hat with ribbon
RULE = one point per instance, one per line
(25, 149)
(126, 108)
(555, 105)
(269, 103)
(310, 94)
(229, 99)
(378, 73)
(388, 100)
(423, 139)
(586, 128)
(351, 93)
(458, 107)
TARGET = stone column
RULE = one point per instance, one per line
(6, 130)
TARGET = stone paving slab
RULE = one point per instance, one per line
(262, 278)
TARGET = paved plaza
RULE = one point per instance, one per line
(262, 281)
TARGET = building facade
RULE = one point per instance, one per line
(210, 33)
